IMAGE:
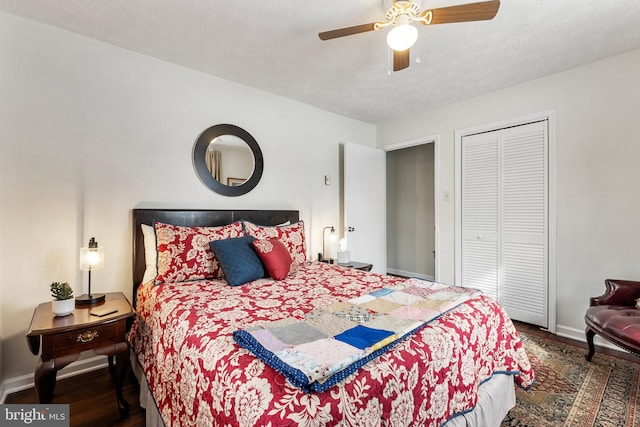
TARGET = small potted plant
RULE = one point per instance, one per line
(63, 302)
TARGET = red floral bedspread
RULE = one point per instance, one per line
(200, 377)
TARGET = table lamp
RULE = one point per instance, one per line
(91, 258)
(332, 236)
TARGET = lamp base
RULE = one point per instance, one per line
(89, 299)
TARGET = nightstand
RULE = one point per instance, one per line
(358, 265)
(63, 338)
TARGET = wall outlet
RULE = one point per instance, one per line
(446, 196)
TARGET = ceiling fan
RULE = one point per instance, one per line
(404, 13)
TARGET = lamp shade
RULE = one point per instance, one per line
(91, 257)
(332, 238)
(402, 37)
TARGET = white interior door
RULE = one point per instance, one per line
(480, 213)
(524, 223)
(365, 205)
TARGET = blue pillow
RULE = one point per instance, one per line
(239, 262)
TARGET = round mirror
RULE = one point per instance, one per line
(228, 160)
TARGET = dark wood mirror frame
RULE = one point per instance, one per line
(200, 165)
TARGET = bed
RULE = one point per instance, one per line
(457, 370)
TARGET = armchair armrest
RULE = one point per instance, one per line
(618, 292)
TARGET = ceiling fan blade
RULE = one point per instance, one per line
(401, 59)
(481, 11)
(341, 32)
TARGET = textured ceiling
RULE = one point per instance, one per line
(273, 45)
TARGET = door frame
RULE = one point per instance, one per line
(550, 116)
(435, 140)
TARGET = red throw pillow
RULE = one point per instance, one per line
(275, 257)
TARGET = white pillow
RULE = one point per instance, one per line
(150, 253)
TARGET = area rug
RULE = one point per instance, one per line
(569, 391)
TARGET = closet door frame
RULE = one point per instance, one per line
(548, 115)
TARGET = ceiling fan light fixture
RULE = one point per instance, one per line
(402, 37)
(402, 15)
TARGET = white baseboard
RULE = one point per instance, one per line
(403, 273)
(23, 382)
(579, 335)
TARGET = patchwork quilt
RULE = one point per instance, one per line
(200, 376)
(333, 342)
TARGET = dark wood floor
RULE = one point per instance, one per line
(92, 399)
(525, 327)
(93, 402)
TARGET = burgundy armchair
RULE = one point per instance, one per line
(614, 316)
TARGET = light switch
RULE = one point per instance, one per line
(327, 180)
(445, 196)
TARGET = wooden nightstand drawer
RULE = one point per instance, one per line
(85, 339)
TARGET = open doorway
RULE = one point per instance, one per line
(411, 210)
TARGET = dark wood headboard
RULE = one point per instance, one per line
(195, 218)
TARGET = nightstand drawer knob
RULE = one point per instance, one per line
(87, 336)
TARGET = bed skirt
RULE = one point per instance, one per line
(496, 397)
(152, 415)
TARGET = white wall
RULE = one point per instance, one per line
(598, 146)
(91, 131)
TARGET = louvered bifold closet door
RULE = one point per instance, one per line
(523, 231)
(480, 213)
(504, 218)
